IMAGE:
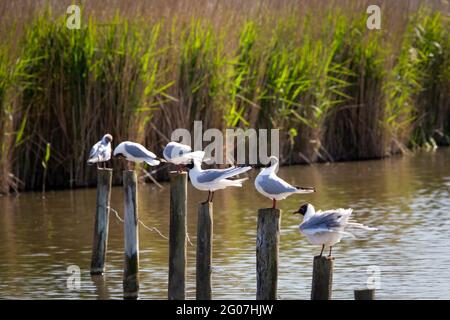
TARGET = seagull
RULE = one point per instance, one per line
(326, 228)
(136, 153)
(101, 151)
(273, 187)
(214, 179)
(181, 154)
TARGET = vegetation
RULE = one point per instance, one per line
(337, 90)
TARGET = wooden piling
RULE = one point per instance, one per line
(267, 248)
(365, 294)
(177, 238)
(100, 243)
(322, 278)
(204, 251)
(131, 236)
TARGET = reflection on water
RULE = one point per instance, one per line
(406, 197)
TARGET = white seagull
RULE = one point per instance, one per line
(137, 153)
(327, 228)
(273, 187)
(181, 154)
(101, 151)
(214, 179)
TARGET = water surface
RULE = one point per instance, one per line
(406, 197)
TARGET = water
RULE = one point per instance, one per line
(406, 197)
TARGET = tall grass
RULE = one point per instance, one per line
(335, 89)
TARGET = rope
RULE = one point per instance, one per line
(222, 270)
(152, 229)
(116, 213)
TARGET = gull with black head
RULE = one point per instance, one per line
(326, 228)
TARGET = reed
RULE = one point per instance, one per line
(336, 90)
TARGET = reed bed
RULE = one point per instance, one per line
(141, 69)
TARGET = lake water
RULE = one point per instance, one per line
(406, 197)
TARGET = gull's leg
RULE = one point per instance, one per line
(274, 204)
(207, 200)
(212, 196)
(98, 167)
(323, 247)
(330, 252)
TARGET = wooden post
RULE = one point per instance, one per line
(131, 235)
(177, 238)
(100, 243)
(267, 248)
(322, 278)
(365, 294)
(204, 251)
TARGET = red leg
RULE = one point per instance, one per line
(274, 204)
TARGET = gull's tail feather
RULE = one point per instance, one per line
(346, 233)
(305, 189)
(92, 161)
(152, 162)
(361, 226)
(235, 183)
(233, 171)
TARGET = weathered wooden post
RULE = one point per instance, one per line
(177, 238)
(365, 294)
(131, 235)
(204, 251)
(100, 243)
(322, 278)
(267, 248)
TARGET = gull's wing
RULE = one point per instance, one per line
(311, 232)
(327, 220)
(138, 151)
(272, 184)
(219, 174)
(94, 149)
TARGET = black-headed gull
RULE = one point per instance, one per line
(101, 151)
(327, 228)
(136, 153)
(214, 179)
(181, 154)
(273, 187)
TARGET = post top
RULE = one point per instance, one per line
(104, 169)
(324, 258)
(176, 173)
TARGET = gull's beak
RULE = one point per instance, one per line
(296, 212)
(161, 160)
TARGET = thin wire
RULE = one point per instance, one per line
(153, 229)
